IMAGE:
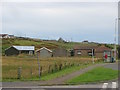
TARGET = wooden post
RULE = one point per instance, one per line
(38, 63)
(60, 66)
(49, 68)
(19, 72)
(93, 56)
(52, 70)
(56, 67)
(31, 72)
(41, 71)
(65, 65)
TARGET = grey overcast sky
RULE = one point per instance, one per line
(92, 21)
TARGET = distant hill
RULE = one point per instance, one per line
(51, 44)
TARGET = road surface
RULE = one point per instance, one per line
(104, 86)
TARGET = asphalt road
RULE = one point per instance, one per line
(104, 86)
(113, 66)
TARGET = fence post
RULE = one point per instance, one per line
(52, 70)
(41, 71)
(19, 72)
(38, 63)
(56, 67)
(65, 65)
(49, 68)
(31, 72)
(60, 66)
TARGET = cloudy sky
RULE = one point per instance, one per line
(92, 21)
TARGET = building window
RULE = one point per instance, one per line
(79, 52)
(90, 53)
(30, 52)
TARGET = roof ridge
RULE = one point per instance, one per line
(44, 48)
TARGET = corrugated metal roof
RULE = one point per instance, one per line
(24, 47)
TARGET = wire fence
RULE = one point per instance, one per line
(30, 71)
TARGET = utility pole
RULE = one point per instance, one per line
(93, 56)
(38, 63)
(115, 39)
(118, 38)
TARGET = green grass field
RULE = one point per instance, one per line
(96, 75)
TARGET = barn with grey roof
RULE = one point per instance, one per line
(44, 52)
(16, 50)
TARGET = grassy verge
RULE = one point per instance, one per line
(64, 72)
(96, 75)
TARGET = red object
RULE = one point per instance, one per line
(106, 56)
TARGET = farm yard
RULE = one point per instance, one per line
(50, 67)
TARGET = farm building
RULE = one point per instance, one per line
(59, 52)
(44, 52)
(97, 51)
(16, 50)
(6, 36)
(83, 50)
(61, 40)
